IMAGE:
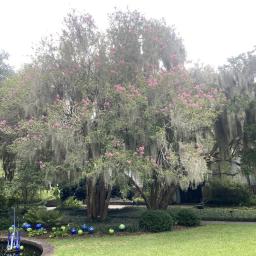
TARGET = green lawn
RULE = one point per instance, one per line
(211, 240)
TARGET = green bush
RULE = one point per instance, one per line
(5, 223)
(187, 217)
(156, 221)
(226, 193)
(138, 201)
(252, 201)
(41, 215)
(71, 203)
(173, 213)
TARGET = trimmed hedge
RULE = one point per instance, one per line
(226, 193)
(156, 221)
(187, 217)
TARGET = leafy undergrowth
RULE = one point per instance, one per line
(211, 240)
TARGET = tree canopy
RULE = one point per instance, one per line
(118, 107)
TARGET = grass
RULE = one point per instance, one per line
(211, 240)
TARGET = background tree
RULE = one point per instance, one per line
(5, 69)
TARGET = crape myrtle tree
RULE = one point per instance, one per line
(119, 107)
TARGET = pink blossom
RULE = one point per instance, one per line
(152, 82)
(56, 125)
(113, 71)
(57, 98)
(140, 150)
(109, 154)
(86, 102)
(41, 164)
(30, 121)
(113, 50)
(119, 88)
(107, 104)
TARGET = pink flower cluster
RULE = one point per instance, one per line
(116, 143)
(107, 105)
(30, 121)
(122, 62)
(194, 98)
(140, 150)
(209, 95)
(41, 164)
(152, 82)
(109, 154)
(57, 98)
(113, 50)
(86, 102)
(187, 99)
(119, 88)
(56, 125)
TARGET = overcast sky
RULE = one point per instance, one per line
(212, 30)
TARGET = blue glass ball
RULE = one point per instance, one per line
(84, 227)
(17, 247)
(24, 225)
(73, 231)
(91, 230)
(39, 226)
(28, 226)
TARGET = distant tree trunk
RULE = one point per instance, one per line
(8, 164)
(159, 195)
(98, 197)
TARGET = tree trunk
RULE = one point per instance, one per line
(8, 164)
(98, 197)
(159, 197)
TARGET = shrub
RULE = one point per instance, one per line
(173, 213)
(226, 193)
(5, 223)
(71, 203)
(138, 201)
(187, 217)
(41, 215)
(156, 221)
(252, 201)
